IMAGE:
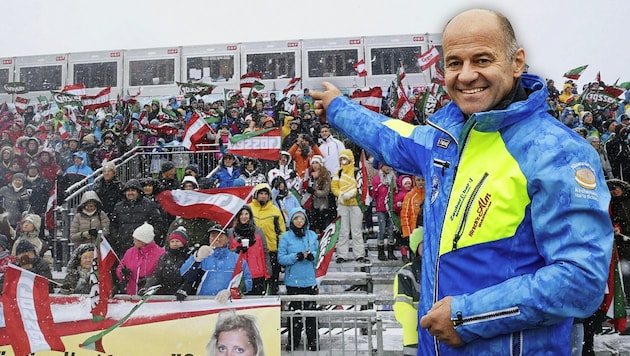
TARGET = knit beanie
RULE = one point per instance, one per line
(317, 158)
(24, 246)
(144, 233)
(179, 234)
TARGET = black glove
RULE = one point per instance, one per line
(310, 257)
(300, 256)
(93, 232)
(126, 272)
(181, 295)
(240, 249)
(310, 190)
(292, 174)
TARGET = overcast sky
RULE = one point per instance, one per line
(557, 35)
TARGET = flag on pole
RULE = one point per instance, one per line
(438, 77)
(372, 98)
(248, 79)
(360, 68)
(327, 243)
(21, 103)
(100, 277)
(95, 342)
(62, 131)
(390, 205)
(27, 316)
(74, 89)
(428, 58)
(292, 83)
(403, 109)
(100, 100)
(614, 304)
(363, 186)
(220, 204)
(575, 73)
(50, 207)
(262, 144)
(236, 285)
(194, 131)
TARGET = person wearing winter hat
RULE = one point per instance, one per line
(213, 265)
(109, 188)
(247, 238)
(189, 183)
(15, 198)
(166, 273)
(5, 253)
(168, 176)
(26, 257)
(88, 220)
(297, 252)
(31, 223)
(139, 261)
(407, 294)
(77, 279)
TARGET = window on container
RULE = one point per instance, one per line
(152, 72)
(96, 75)
(387, 60)
(210, 69)
(336, 63)
(4, 78)
(272, 65)
(41, 78)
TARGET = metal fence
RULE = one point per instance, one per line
(140, 162)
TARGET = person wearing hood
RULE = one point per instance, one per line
(65, 156)
(31, 224)
(251, 174)
(40, 191)
(77, 279)
(139, 261)
(7, 159)
(108, 150)
(32, 150)
(89, 219)
(167, 273)
(284, 170)
(297, 252)
(48, 167)
(282, 198)
(247, 238)
(411, 215)
(15, 198)
(80, 166)
(382, 183)
(213, 266)
(330, 147)
(344, 186)
(270, 219)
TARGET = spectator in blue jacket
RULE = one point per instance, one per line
(297, 251)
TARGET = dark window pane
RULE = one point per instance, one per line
(96, 75)
(41, 78)
(387, 60)
(4, 79)
(220, 68)
(335, 63)
(272, 65)
(152, 72)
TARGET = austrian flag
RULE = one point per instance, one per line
(371, 98)
(292, 83)
(360, 68)
(27, 316)
(428, 58)
(194, 132)
(262, 144)
(220, 204)
(248, 79)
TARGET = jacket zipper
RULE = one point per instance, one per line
(469, 203)
(498, 314)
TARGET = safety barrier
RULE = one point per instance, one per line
(140, 162)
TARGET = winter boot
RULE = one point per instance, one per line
(404, 251)
(381, 253)
(390, 252)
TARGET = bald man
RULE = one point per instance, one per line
(517, 234)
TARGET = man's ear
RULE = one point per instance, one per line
(518, 62)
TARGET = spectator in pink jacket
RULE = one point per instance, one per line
(139, 261)
(381, 185)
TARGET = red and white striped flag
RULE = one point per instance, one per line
(21, 104)
(371, 98)
(220, 204)
(100, 277)
(292, 83)
(50, 207)
(100, 100)
(248, 79)
(404, 109)
(194, 131)
(261, 144)
(74, 89)
(428, 58)
(235, 287)
(27, 316)
(62, 131)
(364, 185)
(360, 68)
(438, 76)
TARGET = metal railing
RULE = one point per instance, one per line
(140, 162)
